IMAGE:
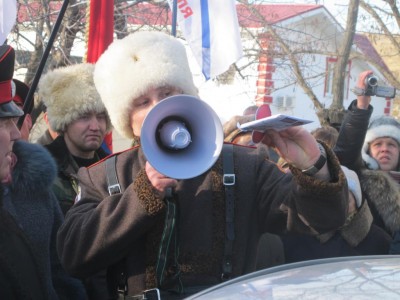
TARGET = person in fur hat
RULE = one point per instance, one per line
(372, 150)
(76, 112)
(122, 230)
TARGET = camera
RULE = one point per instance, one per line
(373, 89)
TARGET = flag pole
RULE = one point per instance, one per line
(174, 16)
(35, 82)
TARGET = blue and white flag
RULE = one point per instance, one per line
(8, 16)
(211, 29)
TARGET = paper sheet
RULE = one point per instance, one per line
(276, 122)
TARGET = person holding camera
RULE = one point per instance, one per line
(372, 149)
(204, 232)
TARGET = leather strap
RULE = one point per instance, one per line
(229, 179)
(169, 245)
(112, 179)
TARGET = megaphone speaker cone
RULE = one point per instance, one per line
(190, 143)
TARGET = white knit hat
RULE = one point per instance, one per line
(68, 93)
(382, 126)
(132, 65)
(354, 184)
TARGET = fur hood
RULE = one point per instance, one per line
(384, 195)
(35, 168)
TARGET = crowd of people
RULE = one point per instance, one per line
(77, 223)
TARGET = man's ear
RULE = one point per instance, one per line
(28, 120)
(46, 118)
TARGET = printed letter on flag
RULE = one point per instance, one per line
(211, 29)
(8, 15)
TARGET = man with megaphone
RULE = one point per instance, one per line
(161, 223)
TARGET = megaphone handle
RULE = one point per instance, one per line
(168, 192)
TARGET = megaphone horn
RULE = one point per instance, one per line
(182, 137)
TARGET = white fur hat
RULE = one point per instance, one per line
(382, 126)
(354, 185)
(132, 65)
(68, 93)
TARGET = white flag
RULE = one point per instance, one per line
(8, 15)
(211, 29)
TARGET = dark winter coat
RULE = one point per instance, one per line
(351, 136)
(357, 237)
(66, 189)
(102, 231)
(20, 276)
(381, 191)
(32, 203)
(66, 184)
(395, 246)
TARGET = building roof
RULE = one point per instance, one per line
(256, 15)
(364, 45)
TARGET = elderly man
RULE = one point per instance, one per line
(198, 235)
(20, 276)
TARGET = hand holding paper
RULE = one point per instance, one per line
(285, 134)
(276, 122)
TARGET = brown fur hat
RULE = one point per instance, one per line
(68, 93)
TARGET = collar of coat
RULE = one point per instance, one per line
(383, 193)
(35, 168)
(58, 148)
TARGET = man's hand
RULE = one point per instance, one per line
(363, 101)
(297, 146)
(159, 181)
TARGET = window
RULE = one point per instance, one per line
(330, 66)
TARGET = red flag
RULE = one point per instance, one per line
(100, 33)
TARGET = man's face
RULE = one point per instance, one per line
(385, 151)
(8, 134)
(85, 135)
(143, 104)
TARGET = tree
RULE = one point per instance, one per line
(334, 115)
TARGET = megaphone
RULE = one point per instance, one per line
(182, 137)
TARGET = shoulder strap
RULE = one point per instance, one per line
(112, 179)
(229, 183)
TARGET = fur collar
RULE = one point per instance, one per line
(383, 193)
(35, 167)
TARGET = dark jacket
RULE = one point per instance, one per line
(351, 136)
(395, 246)
(66, 189)
(358, 236)
(126, 228)
(20, 275)
(66, 183)
(32, 203)
(381, 191)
